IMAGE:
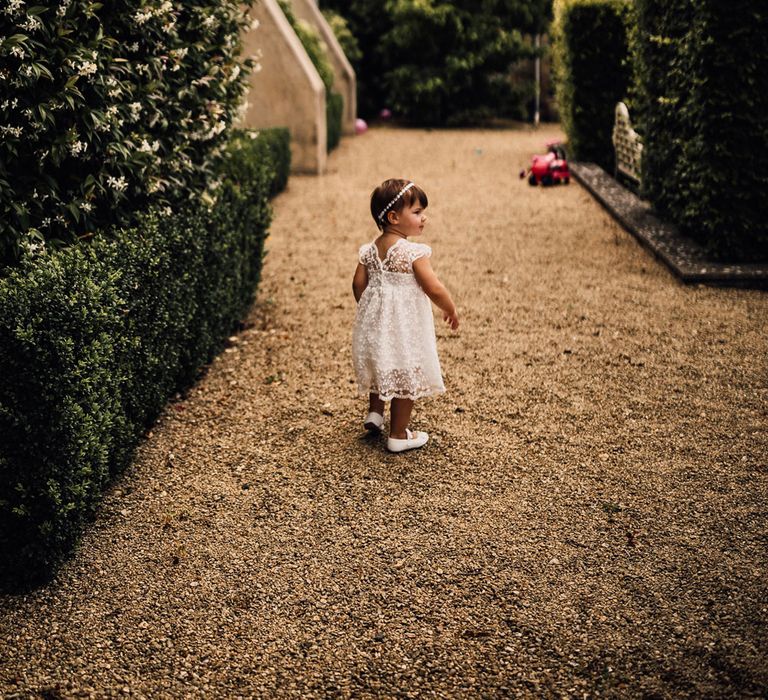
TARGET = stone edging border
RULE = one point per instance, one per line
(685, 257)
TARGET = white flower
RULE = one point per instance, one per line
(119, 184)
(77, 147)
(17, 51)
(13, 6)
(87, 68)
(12, 130)
(35, 248)
(209, 22)
(86, 206)
(145, 147)
(32, 24)
(142, 17)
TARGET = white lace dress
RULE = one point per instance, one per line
(393, 343)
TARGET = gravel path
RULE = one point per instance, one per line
(588, 519)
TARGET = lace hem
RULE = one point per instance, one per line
(423, 394)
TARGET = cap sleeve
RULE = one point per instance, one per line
(362, 252)
(418, 250)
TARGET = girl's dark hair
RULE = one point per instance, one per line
(387, 191)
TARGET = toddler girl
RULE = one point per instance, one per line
(393, 343)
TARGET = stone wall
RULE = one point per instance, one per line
(344, 75)
(287, 90)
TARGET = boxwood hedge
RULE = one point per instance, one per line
(94, 338)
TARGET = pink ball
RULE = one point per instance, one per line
(385, 114)
(360, 126)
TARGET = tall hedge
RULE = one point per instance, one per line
(442, 61)
(593, 72)
(108, 107)
(703, 98)
(93, 340)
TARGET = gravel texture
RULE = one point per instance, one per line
(589, 518)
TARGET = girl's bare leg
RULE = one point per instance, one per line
(375, 404)
(400, 417)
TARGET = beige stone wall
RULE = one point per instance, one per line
(344, 76)
(287, 91)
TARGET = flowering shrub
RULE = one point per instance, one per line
(107, 108)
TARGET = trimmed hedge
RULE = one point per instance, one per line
(702, 69)
(592, 69)
(94, 338)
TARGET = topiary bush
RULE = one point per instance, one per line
(106, 108)
(593, 72)
(702, 70)
(442, 61)
(318, 54)
(93, 340)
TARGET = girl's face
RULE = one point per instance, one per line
(411, 220)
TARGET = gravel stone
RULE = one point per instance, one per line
(588, 519)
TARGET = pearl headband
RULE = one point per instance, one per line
(399, 194)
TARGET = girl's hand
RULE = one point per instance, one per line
(452, 320)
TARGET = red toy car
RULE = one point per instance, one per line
(549, 169)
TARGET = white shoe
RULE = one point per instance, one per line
(415, 439)
(374, 422)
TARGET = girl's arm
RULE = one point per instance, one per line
(359, 281)
(436, 291)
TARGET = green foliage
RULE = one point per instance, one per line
(592, 67)
(93, 340)
(442, 62)
(703, 99)
(106, 108)
(334, 106)
(344, 36)
(318, 54)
